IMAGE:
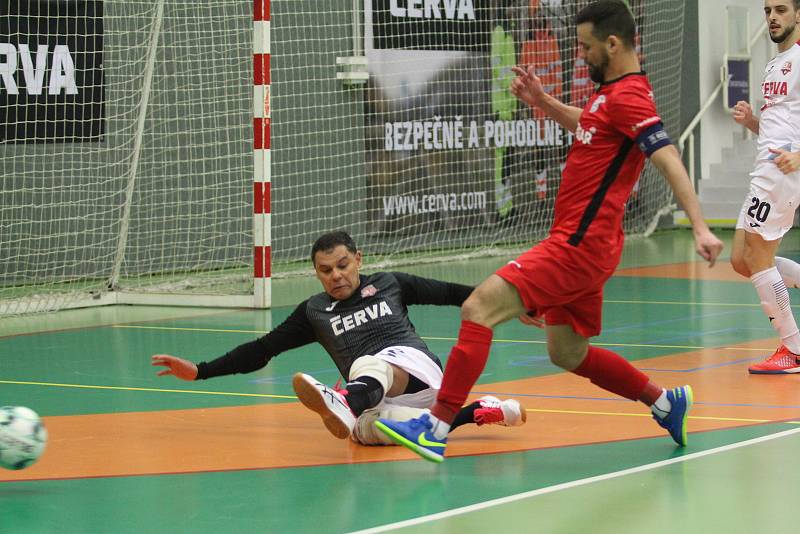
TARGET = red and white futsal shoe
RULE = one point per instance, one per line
(493, 411)
(783, 362)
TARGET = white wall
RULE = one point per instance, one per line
(717, 126)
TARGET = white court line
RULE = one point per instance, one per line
(569, 485)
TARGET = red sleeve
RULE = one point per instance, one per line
(633, 110)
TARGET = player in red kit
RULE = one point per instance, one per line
(559, 282)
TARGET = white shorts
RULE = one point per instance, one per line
(401, 407)
(419, 364)
(769, 207)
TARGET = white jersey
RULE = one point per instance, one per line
(779, 124)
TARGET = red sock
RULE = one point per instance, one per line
(650, 393)
(613, 373)
(464, 367)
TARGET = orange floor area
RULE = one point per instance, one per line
(696, 270)
(287, 435)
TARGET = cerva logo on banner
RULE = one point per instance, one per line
(433, 9)
(61, 70)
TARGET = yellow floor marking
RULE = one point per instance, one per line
(186, 329)
(271, 396)
(433, 338)
(151, 390)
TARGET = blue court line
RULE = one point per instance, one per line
(529, 361)
(620, 399)
(685, 318)
(693, 369)
(688, 335)
(534, 361)
(685, 335)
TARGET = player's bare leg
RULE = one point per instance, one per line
(737, 254)
(493, 302)
(759, 254)
(566, 348)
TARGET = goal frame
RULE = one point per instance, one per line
(261, 272)
(262, 178)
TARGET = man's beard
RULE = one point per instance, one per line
(782, 37)
(598, 72)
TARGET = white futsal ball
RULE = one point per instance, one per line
(22, 437)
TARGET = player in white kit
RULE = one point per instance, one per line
(768, 210)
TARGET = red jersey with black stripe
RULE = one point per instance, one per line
(602, 167)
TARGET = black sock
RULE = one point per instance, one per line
(465, 416)
(415, 385)
(363, 393)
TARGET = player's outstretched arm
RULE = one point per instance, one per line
(177, 367)
(528, 88)
(294, 332)
(419, 290)
(743, 114)
(669, 163)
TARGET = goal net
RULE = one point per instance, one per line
(125, 150)
(431, 158)
(126, 137)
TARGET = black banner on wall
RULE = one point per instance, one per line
(51, 71)
(432, 24)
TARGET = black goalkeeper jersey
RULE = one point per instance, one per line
(373, 318)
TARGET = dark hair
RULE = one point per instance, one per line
(330, 241)
(610, 17)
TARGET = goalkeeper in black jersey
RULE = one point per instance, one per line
(362, 322)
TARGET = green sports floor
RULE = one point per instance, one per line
(132, 452)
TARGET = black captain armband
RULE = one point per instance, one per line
(653, 138)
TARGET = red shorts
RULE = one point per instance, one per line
(556, 280)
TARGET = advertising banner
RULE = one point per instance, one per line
(450, 149)
(737, 85)
(51, 71)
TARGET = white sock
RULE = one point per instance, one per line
(440, 429)
(662, 406)
(790, 271)
(775, 303)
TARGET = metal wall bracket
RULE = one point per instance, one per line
(353, 70)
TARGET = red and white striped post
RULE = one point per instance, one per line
(261, 157)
